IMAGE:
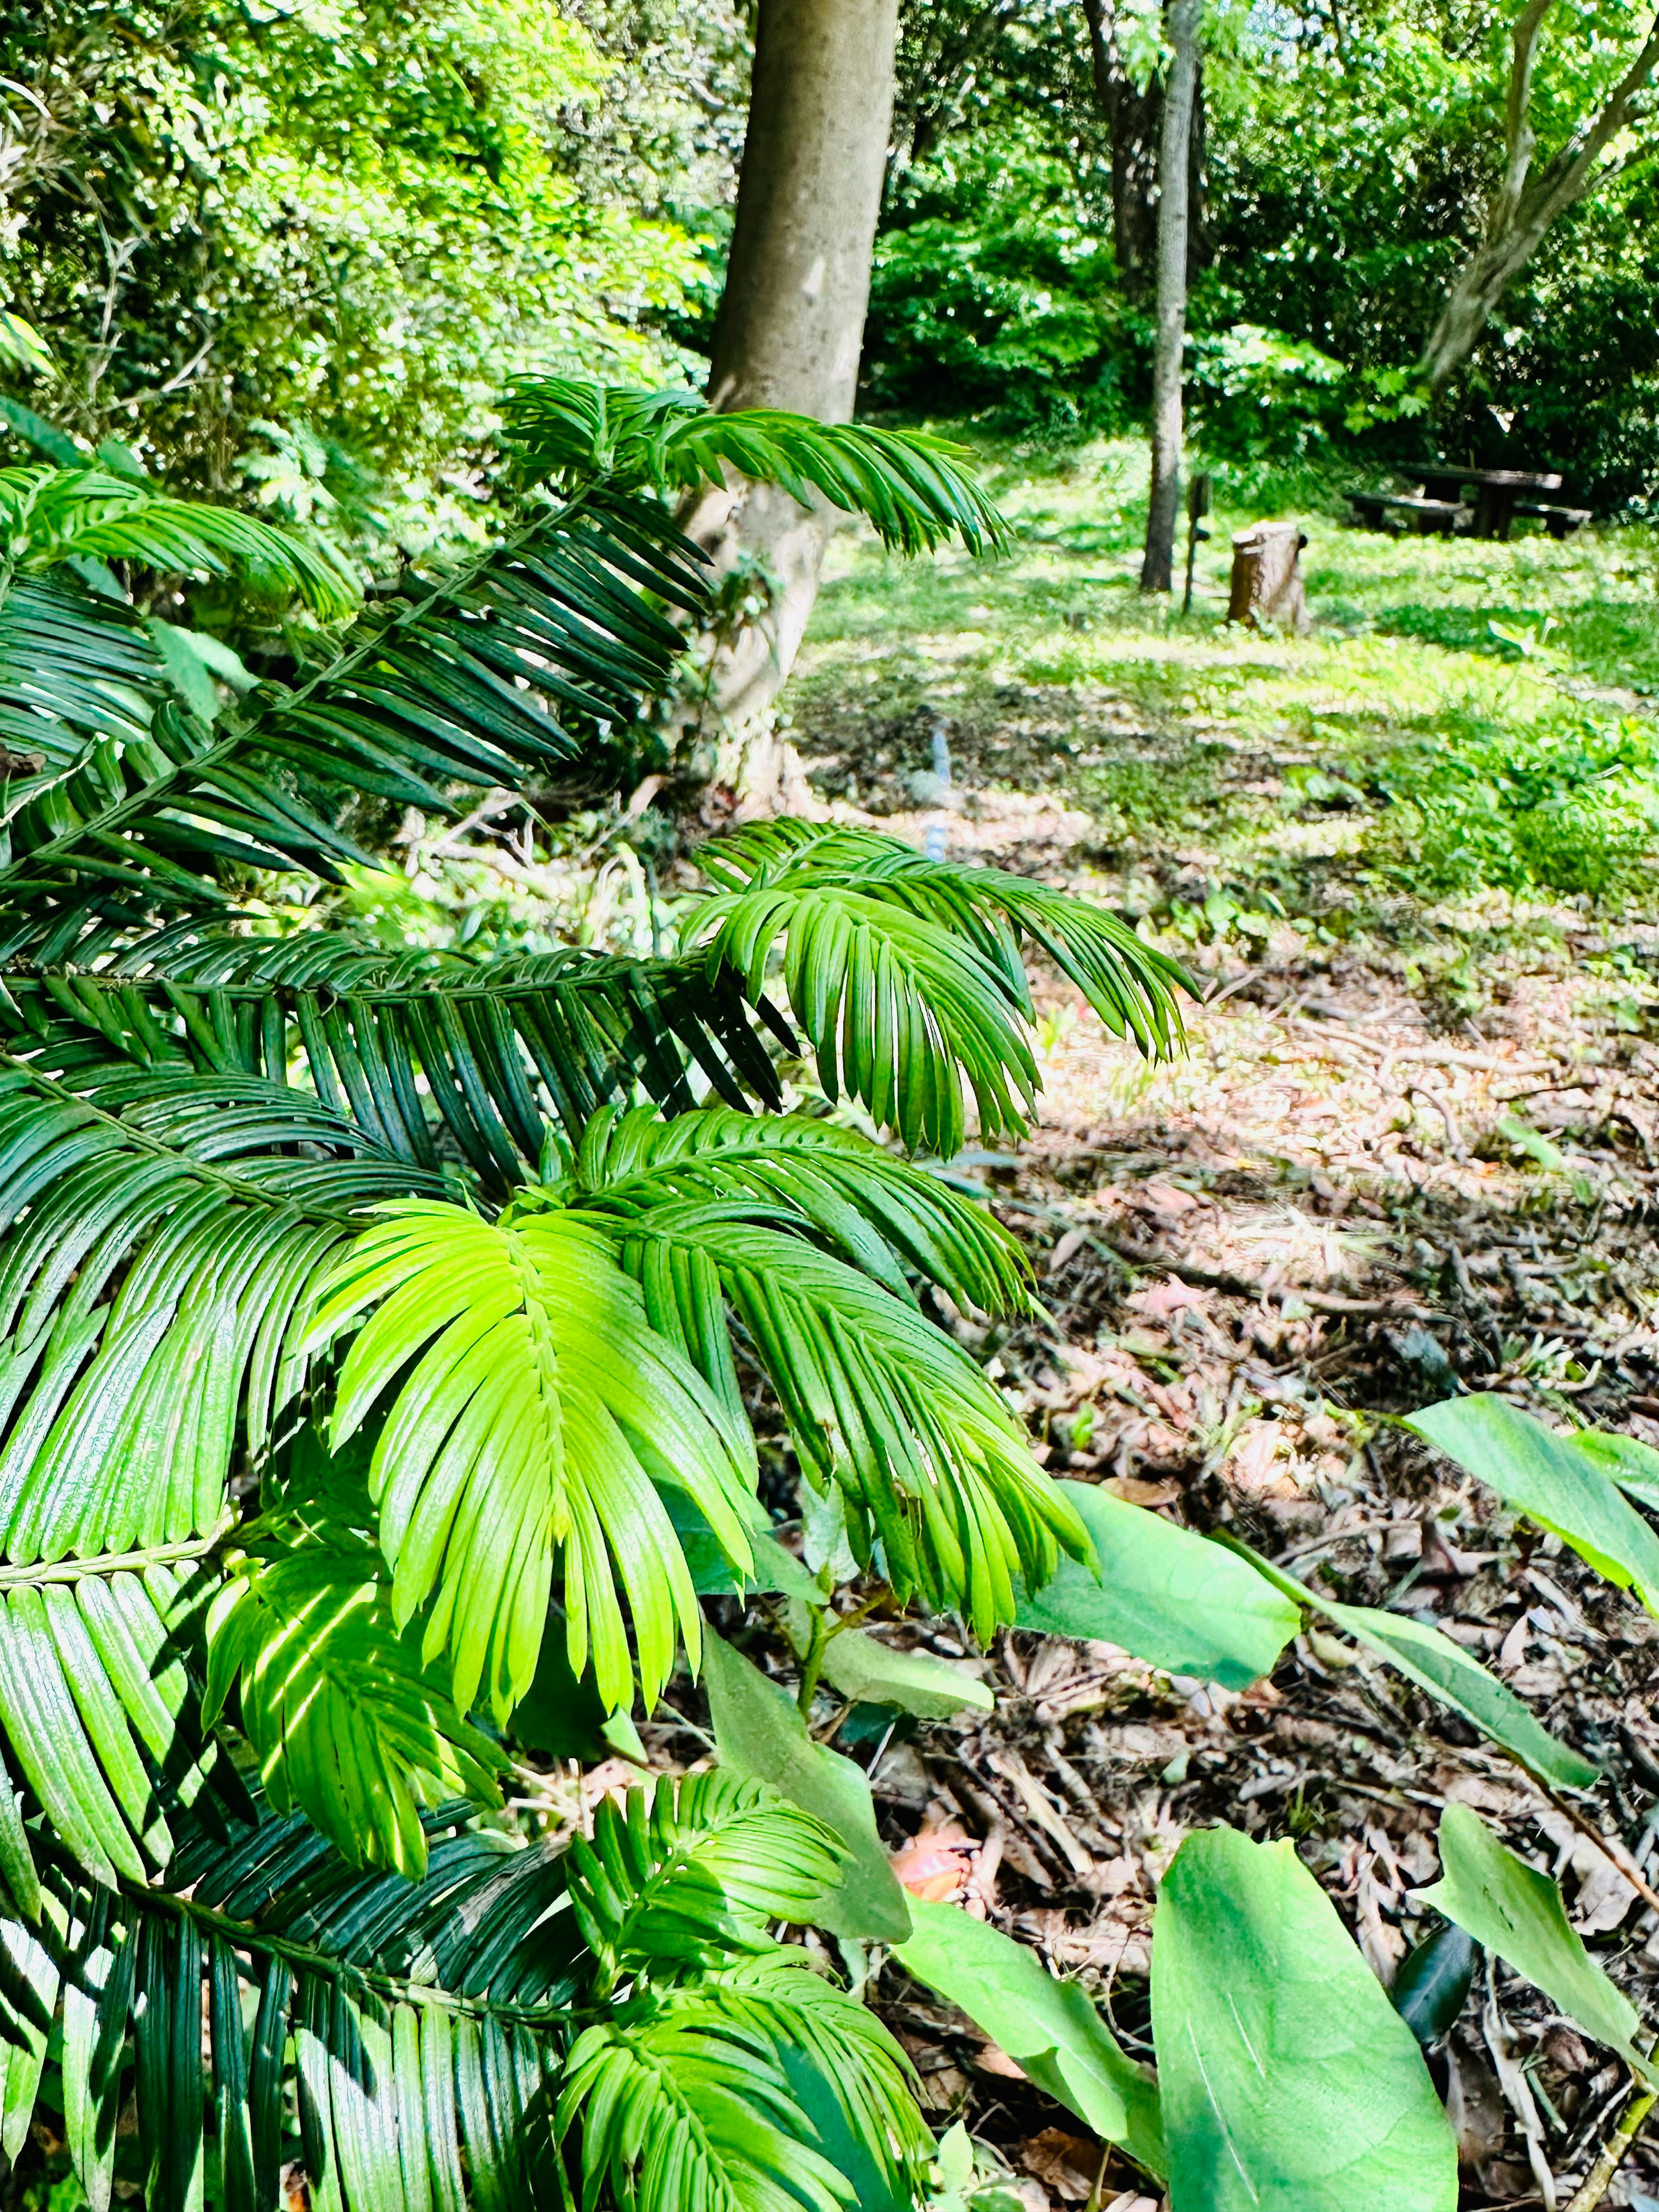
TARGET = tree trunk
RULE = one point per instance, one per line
(1134, 116)
(1157, 569)
(1525, 206)
(790, 329)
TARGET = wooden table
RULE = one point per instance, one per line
(1496, 491)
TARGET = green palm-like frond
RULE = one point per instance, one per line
(433, 2038)
(693, 2102)
(171, 1226)
(52, 516)
(880, 1213)
(542, 1407)
(906, 973)
(350, 1724)
(503, 668)
(689, 1871)
(912, 485)
(435, 1057)
(878, 1401)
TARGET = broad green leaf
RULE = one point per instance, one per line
(760, 1734)
(870, 1672)
(1447, 1672)
(1052, 2030)
(1516, 1912)
(1634, 1467)
(1164, 1594)
(1289, 2083)
(1544, 1477)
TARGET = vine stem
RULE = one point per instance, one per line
(1598, 2180)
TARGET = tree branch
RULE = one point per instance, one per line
(1519, 139)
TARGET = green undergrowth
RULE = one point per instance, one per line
(1465, 719)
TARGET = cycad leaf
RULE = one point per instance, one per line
(688, 1870)
(512, 663)
(541, 1407)
(878, 1401)
(880, 1213)
(905, 973)
(911, 484)
(348, 1722)
(55, 515)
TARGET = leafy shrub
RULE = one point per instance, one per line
(1569, 805)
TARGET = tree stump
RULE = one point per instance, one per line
(1267, 583)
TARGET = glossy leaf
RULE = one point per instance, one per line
(1289, 2083)
(1052, 2029)
(870, 1672)
(1431, 1982)
(1542, 1475)
(1164, 1594)
(1516, 1911)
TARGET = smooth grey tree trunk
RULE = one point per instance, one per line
(1185, 22)
(1525, 205)
(790, 330)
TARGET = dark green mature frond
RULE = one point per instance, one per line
(348, 1722)
(425, 2029)
(50, 516)
(510, 664)
(436, 1057)
(690, 1870)
(912, 485)
(877, 1212)
(426, 2022)
(542, 1407)
(906, 973)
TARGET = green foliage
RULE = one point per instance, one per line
(1568, 804)
(1052, 2029)
(762, 1737)
(264, 1190)
(1163, 1594)
(909, 484)
(1511, 1908)
(1288, 2082)
(1552, 1479)
(345, 221)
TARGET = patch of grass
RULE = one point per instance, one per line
(1463, 717)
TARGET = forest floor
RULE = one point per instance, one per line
(1414, 1146)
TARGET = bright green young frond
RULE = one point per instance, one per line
(350, 1724)
(879, 1400)
(50, 516)
(750, 2090)
(691, 1869)
(912, 485)
(880, 1213)
(541, 1409)
(906, 973)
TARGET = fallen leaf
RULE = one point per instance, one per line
(1067, 2164)
(1134, 1490)
(935, 1863)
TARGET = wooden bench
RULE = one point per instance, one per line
(1560, 521)
(1433, 517)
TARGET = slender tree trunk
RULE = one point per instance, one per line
(1133, 116)
(1185, 19)
(791, 327)
(1525, 205)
